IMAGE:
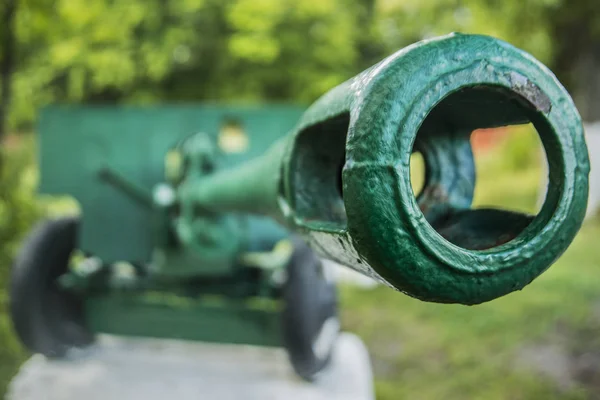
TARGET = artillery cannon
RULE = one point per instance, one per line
(200, 233)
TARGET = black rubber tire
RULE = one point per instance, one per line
(46, 318)
(310, 305)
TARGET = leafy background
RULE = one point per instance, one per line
(540, 343)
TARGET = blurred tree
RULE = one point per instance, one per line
(19, 210)
(576, 38)
(75, 50)
(141, 51)
(563, 34)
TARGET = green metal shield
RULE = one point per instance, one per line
(77, 142)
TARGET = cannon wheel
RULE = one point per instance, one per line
(47, 319)
(310, 322)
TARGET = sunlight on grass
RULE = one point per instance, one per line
(417, 172)
(510, 175)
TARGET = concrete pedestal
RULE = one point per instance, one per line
(592, 138)
(118, 368)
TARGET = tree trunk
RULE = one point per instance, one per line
(577, 60)
(586, 93)
(7, 62)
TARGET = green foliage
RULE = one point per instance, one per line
(18, 207)
(141, 51)
(18, 212)
(518, 22)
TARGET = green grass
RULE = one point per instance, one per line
(431, 351)
(510, 176)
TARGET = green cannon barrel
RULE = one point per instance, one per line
(341, 178)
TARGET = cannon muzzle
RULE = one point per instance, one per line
(341, 178)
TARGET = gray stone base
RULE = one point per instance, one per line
(592, 138)
(118, 368)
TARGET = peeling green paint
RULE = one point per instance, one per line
(427, 97)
